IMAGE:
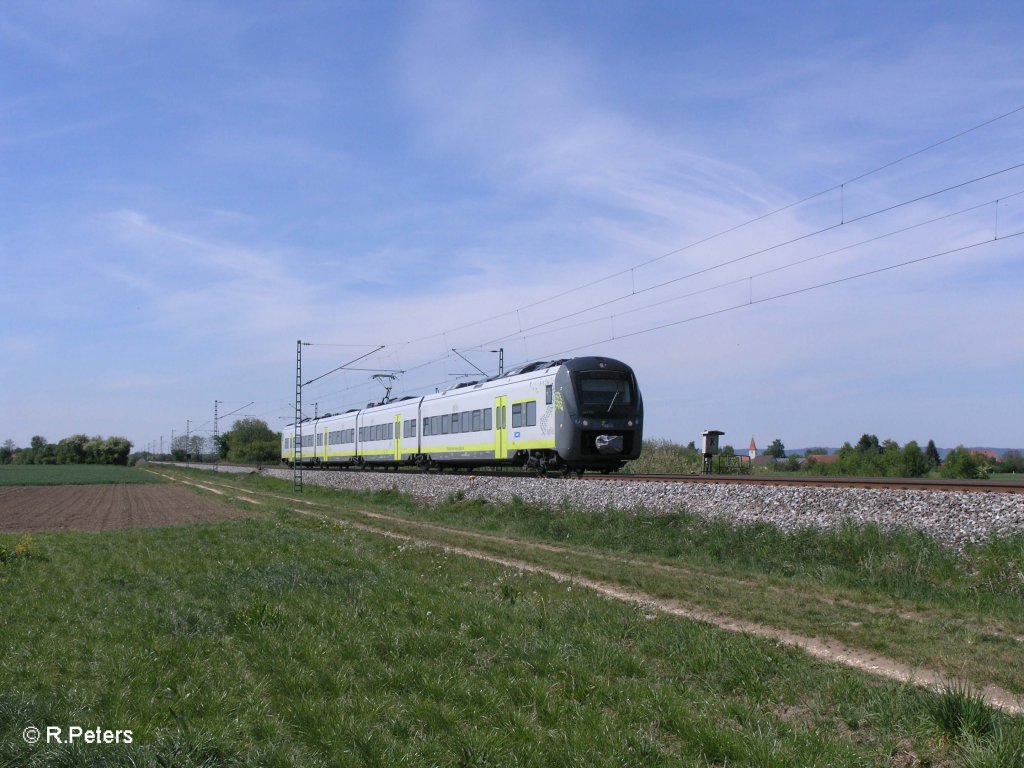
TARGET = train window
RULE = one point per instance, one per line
(531, 413)
(548, 394)
(477, 421)
(426, 426)
(319, 438)
(604, 391)
(467, 421)
(412, 428)
(445, 424)
(435, 425)
(391, 431)
(287, 443)
(487, 419)
(517, 415)
(455, 423)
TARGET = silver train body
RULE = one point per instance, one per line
(581, 414)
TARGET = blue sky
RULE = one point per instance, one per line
(189, 188)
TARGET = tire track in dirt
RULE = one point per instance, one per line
(824, 649)
(669, 568)
(821, 648)
(915, 616)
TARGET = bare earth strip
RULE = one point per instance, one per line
(822, 648)
(104, 507)
(827, 650)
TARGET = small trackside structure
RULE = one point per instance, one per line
(572, 415)
(709, 447)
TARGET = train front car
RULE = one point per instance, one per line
(599, 414)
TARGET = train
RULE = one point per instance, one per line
(573, 415)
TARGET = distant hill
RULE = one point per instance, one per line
(943, 452)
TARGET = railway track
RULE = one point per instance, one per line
(792, 481)
(803, 481)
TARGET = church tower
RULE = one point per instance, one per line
(753, 450)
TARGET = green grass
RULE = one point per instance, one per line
(287, 640)
(900, 594)
(291, 641)
(72, 474)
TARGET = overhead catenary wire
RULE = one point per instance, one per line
(524, 333)
(786, 294)
(729, 230)
(762, 251)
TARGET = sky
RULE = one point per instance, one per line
(794, 220)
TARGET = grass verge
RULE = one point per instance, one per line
(900, 595)
(287, 641)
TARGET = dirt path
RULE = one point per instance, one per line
(825, 649)
(805, 594)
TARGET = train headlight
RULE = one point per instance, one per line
(586, 423)
(629, 423)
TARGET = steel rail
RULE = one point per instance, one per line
(804, 481)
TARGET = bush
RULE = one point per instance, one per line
(961, 464)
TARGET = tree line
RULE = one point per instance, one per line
(249, 441)
(887, 458)
(76, 449)
(868, 457)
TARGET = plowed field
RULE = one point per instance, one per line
(26, 509)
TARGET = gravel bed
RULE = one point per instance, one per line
(953, 518)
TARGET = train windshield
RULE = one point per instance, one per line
(604, 391)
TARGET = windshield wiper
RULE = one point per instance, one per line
(612, 402)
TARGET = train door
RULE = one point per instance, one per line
(398, 438)
(500, 427)
(326, 449)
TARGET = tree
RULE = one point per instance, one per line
(776, 449)
(963, 465)
(868, 444)
(71, 450)
(116, 450)
(251, 440)
(1012, 461)
(7, 451)
(913, 462)
(38, 452)
(195, 447)
(931, 455)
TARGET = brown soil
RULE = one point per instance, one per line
(104, 507)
